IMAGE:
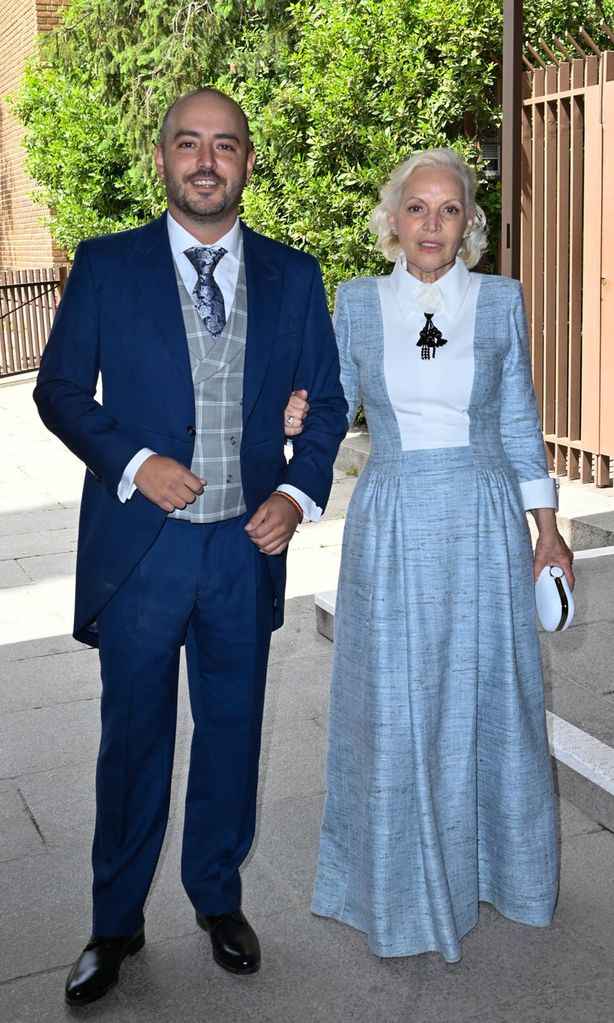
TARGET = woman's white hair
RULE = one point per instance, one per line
(475, 242)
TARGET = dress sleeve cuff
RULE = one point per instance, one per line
(310, 508)
(542, 493)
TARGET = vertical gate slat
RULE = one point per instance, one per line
(30, 314)
(550, 252)
(537, 240)
(526, 201)
(591, 271)
(7, 361)
(562, 272)
(606, 375)
(575, 263)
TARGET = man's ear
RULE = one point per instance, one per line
(252, 160)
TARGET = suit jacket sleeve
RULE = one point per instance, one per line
(66, 385)
(314, 450)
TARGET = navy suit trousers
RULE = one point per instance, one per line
(208, 587)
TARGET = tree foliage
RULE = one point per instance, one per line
(337, 92)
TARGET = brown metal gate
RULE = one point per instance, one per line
(28, 300)
(567, 257)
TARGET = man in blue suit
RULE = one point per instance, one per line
(197, 330)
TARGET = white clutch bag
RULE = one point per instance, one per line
(554, 599)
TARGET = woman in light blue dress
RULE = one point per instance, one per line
(439, 778)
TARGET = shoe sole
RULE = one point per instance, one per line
(132, 950)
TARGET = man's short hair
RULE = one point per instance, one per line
(204, 90)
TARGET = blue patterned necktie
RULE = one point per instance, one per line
(208, 298)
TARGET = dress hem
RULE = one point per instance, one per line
(404, 952)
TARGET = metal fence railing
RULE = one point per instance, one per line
(28, 301)
(567, 256)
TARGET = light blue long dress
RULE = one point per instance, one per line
(440, 789)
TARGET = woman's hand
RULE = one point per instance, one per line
(550, 548)
(296, 411)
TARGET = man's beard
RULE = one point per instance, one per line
(206, 208)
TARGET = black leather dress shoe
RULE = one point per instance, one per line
(97, 968)
(234, 942)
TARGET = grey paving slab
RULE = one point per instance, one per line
(294, 762)
(34, 544)
(297, 640)
(575, 703)
(288, 833)
(46, 566)
(26, 495)
(53, 678)
(12, 574)
(597, 803)
(573, 822)
(298, 690)
(19, 833)
(586, 907)
(39, 739)
(594, 591)
(582, 654)
(61, 801)
(576, 1003)
(39, 522)
(40, 647)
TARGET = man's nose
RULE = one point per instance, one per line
(206, 156)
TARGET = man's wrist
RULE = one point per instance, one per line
(288, 497)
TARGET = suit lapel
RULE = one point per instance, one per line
(263, 282)
(154, 272)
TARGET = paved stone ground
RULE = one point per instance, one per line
(313, 970)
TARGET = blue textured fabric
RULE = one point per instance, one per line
(208, 297)
(440, 787)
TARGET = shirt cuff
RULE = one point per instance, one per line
(542, 493)
(126, 485)
(310, 508)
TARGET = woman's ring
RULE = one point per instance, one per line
(289, 420)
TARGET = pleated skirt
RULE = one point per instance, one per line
(440, 791)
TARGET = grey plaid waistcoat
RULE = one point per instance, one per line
(217, 372)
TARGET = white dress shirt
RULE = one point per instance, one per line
(431, 403)
(226, 274)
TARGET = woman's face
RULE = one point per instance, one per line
(431, 221)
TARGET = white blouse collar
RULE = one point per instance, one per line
(447, 293)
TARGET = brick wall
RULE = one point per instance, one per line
(25, 241)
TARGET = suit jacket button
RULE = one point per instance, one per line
(192, 431)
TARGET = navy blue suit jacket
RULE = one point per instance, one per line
(120, 317)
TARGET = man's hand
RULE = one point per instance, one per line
(296, 411)
(273, 525)
(167, 483)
